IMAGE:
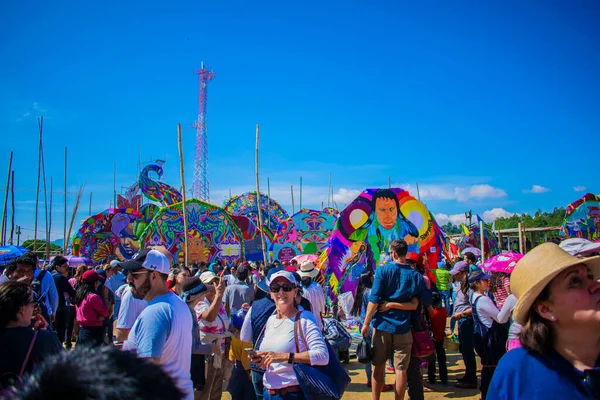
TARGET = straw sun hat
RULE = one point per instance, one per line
(537, 269)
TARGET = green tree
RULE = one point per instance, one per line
(40, 246)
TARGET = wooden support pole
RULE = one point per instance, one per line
(521, 238)
(258, 199)
(5, 212)
(389, 182)
(90, 212)
(12, 196)
(183, 208)
(49, 234)
(65, 240)
(292, 190)
(482, 241)
(300, 193)
(37, 190)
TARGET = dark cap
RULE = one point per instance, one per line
(136, 263)
(477, 276)
(191, 287)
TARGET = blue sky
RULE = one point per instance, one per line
(478, 102)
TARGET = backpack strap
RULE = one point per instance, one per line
(35, 333)
(298, 329)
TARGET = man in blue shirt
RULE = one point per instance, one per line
(395, 284)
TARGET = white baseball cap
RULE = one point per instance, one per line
(284, 274)
(150, 259)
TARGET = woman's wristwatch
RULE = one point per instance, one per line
(291, 358)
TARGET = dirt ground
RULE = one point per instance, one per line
(358, 389)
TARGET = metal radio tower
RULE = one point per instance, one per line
(200, 187)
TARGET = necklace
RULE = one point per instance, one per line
(281, 323)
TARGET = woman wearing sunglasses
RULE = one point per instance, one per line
(278, 351)
(22, 347)
(559, 307)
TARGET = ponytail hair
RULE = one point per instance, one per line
(364, 283)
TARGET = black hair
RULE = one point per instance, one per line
(104, 373)
(26, 259)
(13, 296)
(83, 289)
(59, 260)
(241, 274)
(399, 247)
(10, 268)
(385, 194)
(365, 281)
(470, 256)
(436, 300)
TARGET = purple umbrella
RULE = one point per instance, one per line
(476, 252)
(504, 262)
(75, 261)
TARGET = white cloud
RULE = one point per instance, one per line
(495, 213)
(579, 188)
(455, 219)
(537, 189)
(345, 196)
(488, 216)
(454, 192)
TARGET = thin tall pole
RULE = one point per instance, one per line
(49, 224)
(183, 208)
(91, 193)
(292, 190)
(12, 196)
(260, 221)
(389, 182)
(521, 238)
(77, 200)
(481, 240)
(418, 193)
(5, 212)
(268, 202)
(37, 191)
(47, 245)
(65, 241)
(115, 185)
(328, 191)
(301, 193)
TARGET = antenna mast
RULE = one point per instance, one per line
(200, 187)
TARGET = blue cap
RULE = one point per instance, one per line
(263, 285)
(477, 276)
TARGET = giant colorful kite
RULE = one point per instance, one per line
(582, 218)
(273, 214)
(111, 234)
(365, 229)
(212, 233)
(473, 239)
(158, 191)
(308, 230)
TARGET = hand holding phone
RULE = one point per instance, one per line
(251, 352)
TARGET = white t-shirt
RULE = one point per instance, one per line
(219, 326)
(164, 330)
(316, 297)
(130, 308)
(486, 309)
(279, 337)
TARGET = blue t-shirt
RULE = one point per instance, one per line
(397, 283)
(522, 374)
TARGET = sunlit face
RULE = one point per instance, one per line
(129, 245)
(196, 250)
(182, 276)
(26, 313)
(282, 298)
(140, 283)
(483, 285)
(575, 298)
(387, 212)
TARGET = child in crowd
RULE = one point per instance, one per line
(438, 316)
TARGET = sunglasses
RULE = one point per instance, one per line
(591, 381)
(287, 287)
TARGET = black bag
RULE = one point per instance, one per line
(364, 351)
(197, 370)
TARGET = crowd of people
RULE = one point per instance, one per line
(195, 332)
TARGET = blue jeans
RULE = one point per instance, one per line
(369, 371)
(288, 396)
(257, 382)
(467, 348)
(445, 298)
